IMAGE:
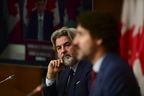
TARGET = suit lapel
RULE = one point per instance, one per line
(78, 71)
(78, 75)
(63, 81)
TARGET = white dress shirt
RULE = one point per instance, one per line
(97, 65)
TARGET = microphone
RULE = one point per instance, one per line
(8, 78)
(37, 89)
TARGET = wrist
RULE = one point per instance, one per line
(51, 76)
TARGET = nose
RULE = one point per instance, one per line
(63, 51)
(75, 41)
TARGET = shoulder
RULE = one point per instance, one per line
(115, 62)
(84, 68)
(85, 64)
(116, 75)
(114, 67)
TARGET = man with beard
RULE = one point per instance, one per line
(67, 76)
(97, 38)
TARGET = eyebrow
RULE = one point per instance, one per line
(78, 32)
(63, 44)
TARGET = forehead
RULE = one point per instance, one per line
(61, 40)
(81, 29)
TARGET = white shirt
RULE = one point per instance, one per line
(40, 17)
(97, 65)
(50, 82)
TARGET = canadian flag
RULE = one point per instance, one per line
(52, 5)
(132, 37)
(14, 28)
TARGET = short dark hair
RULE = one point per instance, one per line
(102, 26)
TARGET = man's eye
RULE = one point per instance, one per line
(58, 48)
(68, 44)
(81, 34)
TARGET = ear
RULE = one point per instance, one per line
(98, 42)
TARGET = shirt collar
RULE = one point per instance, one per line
(74, 67)
(40, 17)
(97, 65)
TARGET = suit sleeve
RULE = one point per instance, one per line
(50, 90)
(121, 82)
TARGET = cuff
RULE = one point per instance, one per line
(49, 82)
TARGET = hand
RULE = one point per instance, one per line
(54, 67)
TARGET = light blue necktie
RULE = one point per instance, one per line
(40, 29)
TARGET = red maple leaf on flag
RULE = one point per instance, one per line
(132, 37)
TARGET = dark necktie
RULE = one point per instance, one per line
(69, 81)
(70, 78)
(93, 78)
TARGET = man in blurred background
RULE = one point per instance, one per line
(40, 24)
(97, 38)
(67, 76)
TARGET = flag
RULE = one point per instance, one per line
(52, 6)
(132, 37)
(14, 24)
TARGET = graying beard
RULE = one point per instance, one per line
(68, 61)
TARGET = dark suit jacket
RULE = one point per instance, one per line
(33, 25)
(80, 84)
(115, 78)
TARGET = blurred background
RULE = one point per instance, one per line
(26, 55)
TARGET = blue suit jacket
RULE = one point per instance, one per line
(80, 84)
(115, 78)
(33, 25)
